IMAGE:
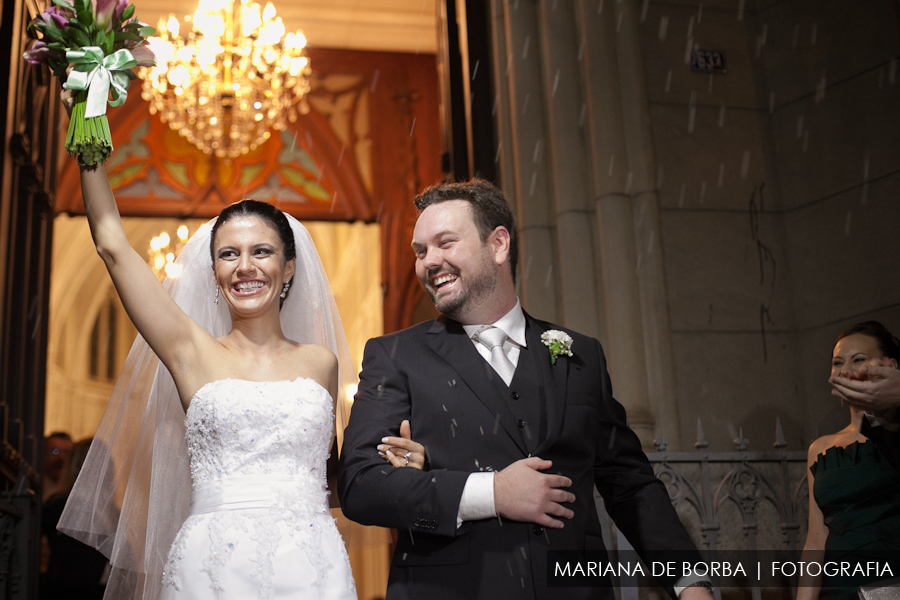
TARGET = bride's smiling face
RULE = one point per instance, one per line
(249, 264)
(854, 351)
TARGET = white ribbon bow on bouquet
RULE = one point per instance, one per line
(99, 74)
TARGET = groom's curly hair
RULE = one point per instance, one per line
(489, 208)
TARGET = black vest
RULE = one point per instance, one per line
(526, 399)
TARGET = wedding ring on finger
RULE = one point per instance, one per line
(406, 456)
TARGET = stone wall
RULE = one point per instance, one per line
(778, 218)
(716, 232)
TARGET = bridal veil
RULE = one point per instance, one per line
(133, 493)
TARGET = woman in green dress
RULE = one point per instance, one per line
(854, 494)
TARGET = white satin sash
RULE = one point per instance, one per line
(240, 492)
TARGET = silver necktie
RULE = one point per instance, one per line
(492, 339)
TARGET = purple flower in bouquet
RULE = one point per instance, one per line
(103, 11)
(55, 17)
(144, 56)
(38, 54)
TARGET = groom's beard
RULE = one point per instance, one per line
(476, 288)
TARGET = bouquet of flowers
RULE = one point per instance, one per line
(103, 40)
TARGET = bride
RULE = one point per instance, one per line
(228, 498)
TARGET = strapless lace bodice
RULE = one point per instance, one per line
(259, 524)
(236, 427)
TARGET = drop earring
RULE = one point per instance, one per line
(216, 299)
(284, 290)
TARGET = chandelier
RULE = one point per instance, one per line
(231, 79)
(163, 251)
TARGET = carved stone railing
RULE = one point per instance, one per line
(730, 501)
(18, 529)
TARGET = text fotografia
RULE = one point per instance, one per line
(869, 568)
(728, 569)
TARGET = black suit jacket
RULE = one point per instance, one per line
(433, 375)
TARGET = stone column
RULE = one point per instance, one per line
(615, 223)
(650, 271)
(526, 111)
(567, 156)
(505, 155)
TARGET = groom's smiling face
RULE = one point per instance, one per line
(455, 267)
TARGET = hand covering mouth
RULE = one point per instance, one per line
(442, 279)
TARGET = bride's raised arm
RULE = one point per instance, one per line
(171, 334)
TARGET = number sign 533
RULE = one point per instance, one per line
(708, 61)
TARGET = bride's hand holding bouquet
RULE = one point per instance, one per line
(103, 41)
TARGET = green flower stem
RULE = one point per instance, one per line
(88, 140)
(556, 348)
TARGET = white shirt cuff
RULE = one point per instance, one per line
(477, 500)
(687, 581)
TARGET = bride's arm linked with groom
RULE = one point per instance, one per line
(517, 422)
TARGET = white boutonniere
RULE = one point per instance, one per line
(559, 342)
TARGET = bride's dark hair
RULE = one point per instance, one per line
(266, 212)
(888, 344)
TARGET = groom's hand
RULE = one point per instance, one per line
(874, 389)
(523, 493)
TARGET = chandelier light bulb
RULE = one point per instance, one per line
(206, 59)
(172, 270)
(172, 26)
(185, 54)
(269, 12)
(162, 50)
(297, 66)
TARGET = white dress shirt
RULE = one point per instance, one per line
(477, 500)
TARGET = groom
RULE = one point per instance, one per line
(514, 443)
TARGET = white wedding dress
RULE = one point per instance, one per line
(259, 524)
